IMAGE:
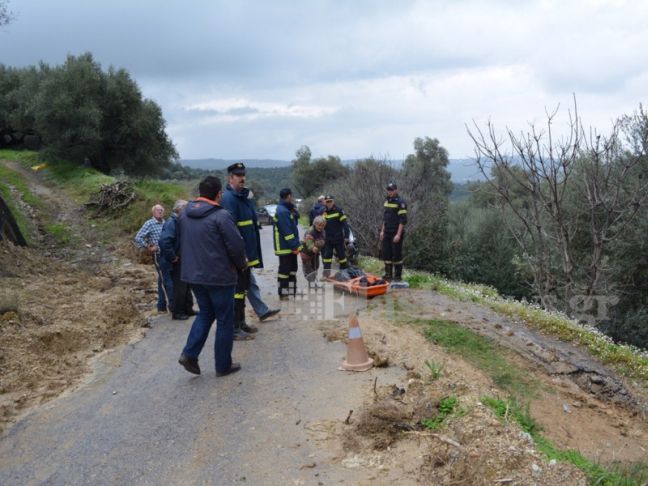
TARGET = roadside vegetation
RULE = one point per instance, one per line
(81, 183)
(625, 359)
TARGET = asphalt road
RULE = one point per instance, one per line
(140, 418)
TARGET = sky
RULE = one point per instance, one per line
(353, 78)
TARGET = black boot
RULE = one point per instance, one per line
(398, 272)
(388, 272)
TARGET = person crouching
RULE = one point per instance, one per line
(313, 243)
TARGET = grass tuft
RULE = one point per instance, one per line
(511, 410)
(480, 352)
(446, 408)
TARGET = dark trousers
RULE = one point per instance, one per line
(215, 303)
(327, 255)
(182, 298)
(165, 283)
(242, 286)
(310, 266)
(392, 254)
(287, 275)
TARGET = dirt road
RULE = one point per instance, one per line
(141, 418)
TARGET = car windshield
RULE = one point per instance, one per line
(271, 208)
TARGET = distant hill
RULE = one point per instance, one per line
(462, 170)
(219, 164)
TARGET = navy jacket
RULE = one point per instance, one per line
(318, 210)
(211, 247)
(337, 228)
(395, 214)
(169, 243)
(243, 209)
(286, 231)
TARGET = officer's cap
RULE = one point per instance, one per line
(329, 197)
(238, 168)
(391, 186)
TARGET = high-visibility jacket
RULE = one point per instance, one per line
(337, 227)
(286, 231)
(243, 210)
(395, 214)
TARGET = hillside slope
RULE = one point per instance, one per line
(468, 396)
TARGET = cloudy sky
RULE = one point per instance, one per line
(258, 79)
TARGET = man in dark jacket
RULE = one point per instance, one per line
(318, 209)
(238, 201)
(180, 292)
(337, 235)
(286, 243)
(211, 250)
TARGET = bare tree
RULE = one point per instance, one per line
(552, 186)
(362, 195)
(6, 16)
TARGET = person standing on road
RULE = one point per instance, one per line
(337, 235)
(318, 209)
(211, 251)
(180, 292)
(313, 243)
(237, 200)
(392, 233)
(286, 243)
(148, 237)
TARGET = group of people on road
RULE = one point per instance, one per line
(211, 245)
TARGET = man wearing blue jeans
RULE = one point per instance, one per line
(213, 255)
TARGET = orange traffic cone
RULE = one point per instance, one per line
(357, 358)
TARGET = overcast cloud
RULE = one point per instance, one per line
(258, 79)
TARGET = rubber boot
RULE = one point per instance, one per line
(398, 272)
(388, 272)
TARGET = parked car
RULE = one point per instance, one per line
(263, 216)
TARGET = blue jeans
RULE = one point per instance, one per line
(215, 303)
(254, 296)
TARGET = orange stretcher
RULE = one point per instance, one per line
(353, 286)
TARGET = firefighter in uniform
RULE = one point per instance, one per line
(337, 235)
(393, 233)
(237, 200)
(286, 243)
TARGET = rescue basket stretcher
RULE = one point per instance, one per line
(354, 287)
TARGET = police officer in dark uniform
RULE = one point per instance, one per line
(238, 201)
(393, 233)
(337, 235)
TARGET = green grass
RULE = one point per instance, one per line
(511, 410)
(10, 178)
(446, 408)
(626, 360)
(435, 369)
(481, 353)
(61, 232)
(82, 182)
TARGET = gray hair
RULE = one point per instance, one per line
(319, 220)
(179, 205)
(321, 198)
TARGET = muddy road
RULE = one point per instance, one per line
(141, 418)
